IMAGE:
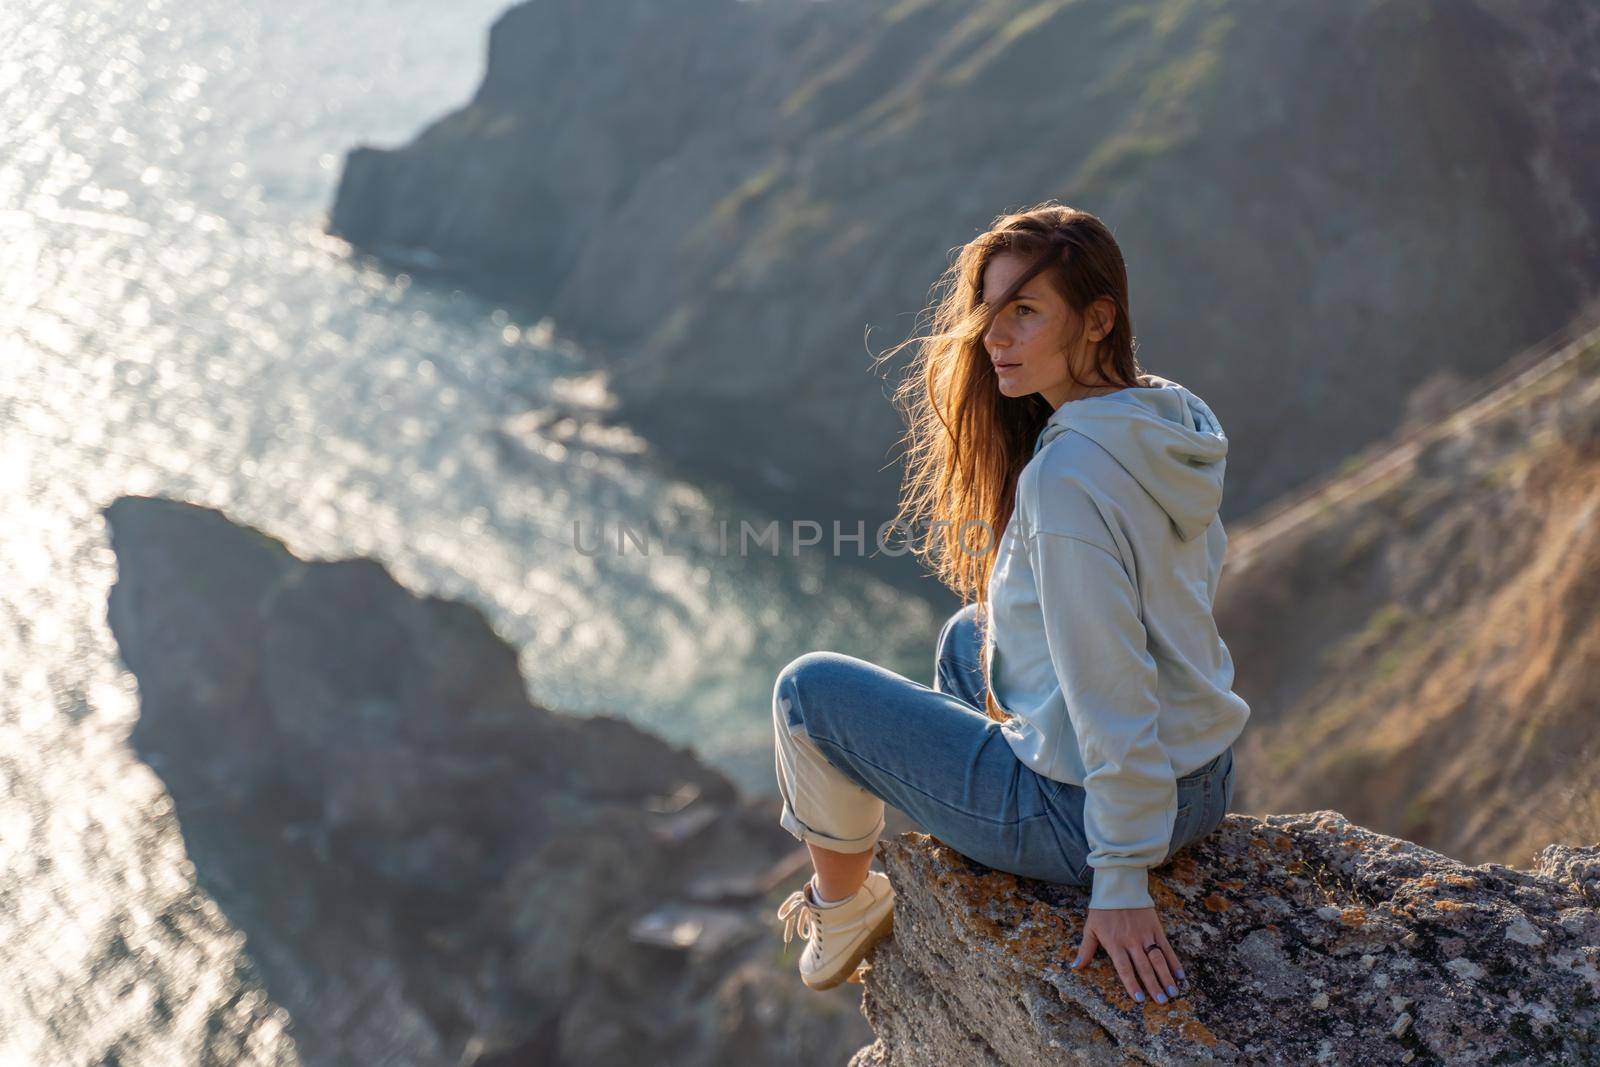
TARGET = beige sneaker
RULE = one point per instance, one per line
(838, 938)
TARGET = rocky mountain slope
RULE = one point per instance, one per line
(1420, 646)
(428, 868)
(733, 204)
(1306, 940)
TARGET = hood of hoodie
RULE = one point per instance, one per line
(1166, 437)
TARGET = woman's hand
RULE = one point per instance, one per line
(1124, 933)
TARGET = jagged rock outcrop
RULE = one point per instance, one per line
(1306, 939)
(428, 867)
(733, 204)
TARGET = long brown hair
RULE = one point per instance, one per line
(966, 441)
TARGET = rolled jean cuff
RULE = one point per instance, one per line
(806, 834)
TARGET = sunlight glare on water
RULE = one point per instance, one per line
(173, 321)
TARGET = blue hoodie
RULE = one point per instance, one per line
(1102, 645)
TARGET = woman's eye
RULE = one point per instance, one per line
(1023, 307)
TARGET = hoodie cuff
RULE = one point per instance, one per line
(1121, 887)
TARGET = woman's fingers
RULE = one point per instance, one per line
(1124, 960)
(1157, 989)
(1171, 957)
(1158, 963)
(1143, 957)
(1086, 950)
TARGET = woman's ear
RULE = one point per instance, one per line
(1102, 317)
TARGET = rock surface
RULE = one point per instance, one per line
(428, 867)
(1306, 939)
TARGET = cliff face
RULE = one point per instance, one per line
(1420, 646)
(429, 868)
(1306, 939)
(1321, 206)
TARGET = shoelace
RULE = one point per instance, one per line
(799, 915)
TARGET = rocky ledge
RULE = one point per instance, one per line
(1306, 939)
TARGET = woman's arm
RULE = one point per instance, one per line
(1099, 649)
(1101, 655)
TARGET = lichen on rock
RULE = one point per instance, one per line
(1305, 938)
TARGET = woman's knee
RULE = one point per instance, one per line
(800, 675)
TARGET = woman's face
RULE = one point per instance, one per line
(1028, 342)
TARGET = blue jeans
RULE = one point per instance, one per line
(850, 736)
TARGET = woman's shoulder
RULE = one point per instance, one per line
(1073, 464)
(1071, 487)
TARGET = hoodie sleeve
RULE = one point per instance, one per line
(1098, 646)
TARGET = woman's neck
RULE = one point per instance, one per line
(1084, 394)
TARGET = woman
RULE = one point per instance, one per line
(1081, 722)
